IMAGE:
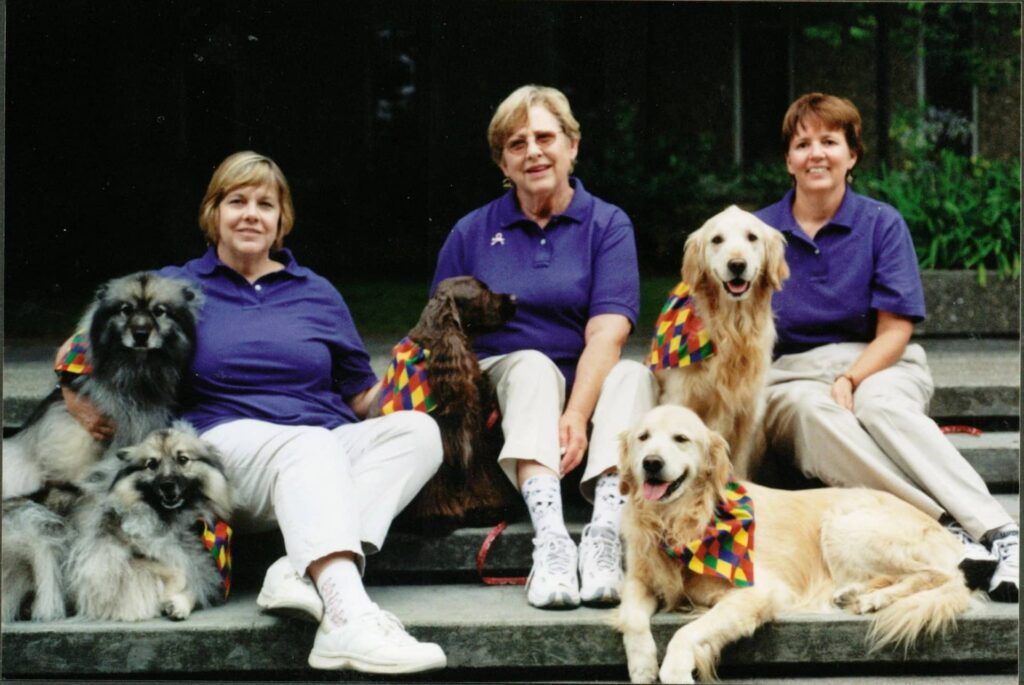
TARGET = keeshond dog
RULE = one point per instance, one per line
(141, 330)
(130, 548)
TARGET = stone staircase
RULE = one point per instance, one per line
(491, 634)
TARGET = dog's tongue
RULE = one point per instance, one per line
(737, 287)
(655, 491)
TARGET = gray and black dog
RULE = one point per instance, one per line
(141, 332)
(129, 548)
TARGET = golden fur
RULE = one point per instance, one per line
(725, 389)
(862, 550)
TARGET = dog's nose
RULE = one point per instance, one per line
(140, 335)
(653, 464)
(737, 266)
(168, 488)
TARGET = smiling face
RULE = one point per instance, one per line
(819, 158)
(665, 452)
(538, 156)
(248, 219)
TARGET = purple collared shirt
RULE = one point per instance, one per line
(582, 264)
(860, 263)
(283, 349)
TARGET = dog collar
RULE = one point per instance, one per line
(726, 549)
(405, 381)
(679, 335)
(73, 356)
(217, 541)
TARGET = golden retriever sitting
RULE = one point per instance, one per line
(862, 550)
(732, 264)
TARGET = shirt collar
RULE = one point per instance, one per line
(509, 213)
(845, 216)
(210, 262)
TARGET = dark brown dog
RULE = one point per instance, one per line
(469, 487)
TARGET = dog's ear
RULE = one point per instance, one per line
(123, 453)
(777, 271)
(441, 313)
(626, 481)
(694, 269)
(721, 467)
(101, 292)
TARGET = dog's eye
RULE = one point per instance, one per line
(752, 237)
(643, 436)
(680, 438)
(159, 310)
(151, 464)
(125, 308)
(717, 240)
(182, 458)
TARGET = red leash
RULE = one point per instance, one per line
(481, 557)
(969, 430)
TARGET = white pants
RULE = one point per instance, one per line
(531, 395)
(328, 490)
(887, 442)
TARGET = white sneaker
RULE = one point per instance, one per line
(375, 642)
(1005, 583)
(552, 583)
(976, 561)
(286, 592)
(600, 566)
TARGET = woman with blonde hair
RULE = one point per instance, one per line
(570, 259)
(279, 383)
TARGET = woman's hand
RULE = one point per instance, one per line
(572, 438)
(362, 402)
(892, 333)
(85, 412)
(842, 392)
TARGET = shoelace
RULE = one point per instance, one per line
(557, 555)
(604, 552)
(1004, 547)
(391, 626)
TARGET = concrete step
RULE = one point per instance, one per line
(975, 380)
(486, 631)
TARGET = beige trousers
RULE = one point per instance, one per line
(531, 395)
(887, 442)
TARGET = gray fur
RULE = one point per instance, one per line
(34, 542)
(142, 335)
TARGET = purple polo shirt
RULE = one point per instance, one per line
(283, 349)
(860, 263)
(583, 263)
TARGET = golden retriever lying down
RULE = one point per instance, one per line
(733, 264)
(862, 550)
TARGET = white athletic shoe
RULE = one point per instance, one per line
(375, 642)
(976, 561)
(1005, 583)
(600, 566)
(286, 592)
(553, 583)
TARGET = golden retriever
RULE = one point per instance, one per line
(862, 550)
(733, 264)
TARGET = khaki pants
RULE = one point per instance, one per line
(887, 442)
(531, 395)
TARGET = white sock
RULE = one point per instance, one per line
(543, 495)
(341, 588)
(607, 502)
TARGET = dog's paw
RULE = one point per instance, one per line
(847, 596)
(677, 669)
(177, 607)
(643, 673)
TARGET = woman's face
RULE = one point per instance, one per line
(247, 223)
(538, 156)
(819, 158)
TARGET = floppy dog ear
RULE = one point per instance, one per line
(440, 313)
(777, 270)
(123, 453)
(694, 266)
(721, 467)
(626, 481)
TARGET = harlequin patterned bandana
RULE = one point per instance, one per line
(679, 335)
(218, 543)
(405, 381)
(727, 547)
(73, 356)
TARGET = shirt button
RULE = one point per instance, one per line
(259, 287)
(543, 241)
(817, 251)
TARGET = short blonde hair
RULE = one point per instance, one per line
(514, 111)
(834, 112)
(246, 169)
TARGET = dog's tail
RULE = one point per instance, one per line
(932, 611)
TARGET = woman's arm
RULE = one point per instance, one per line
(892, 333)
(604, 337)
(85, 412)
(362, 402)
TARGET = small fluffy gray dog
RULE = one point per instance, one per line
(129, 548)
(141, 331)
